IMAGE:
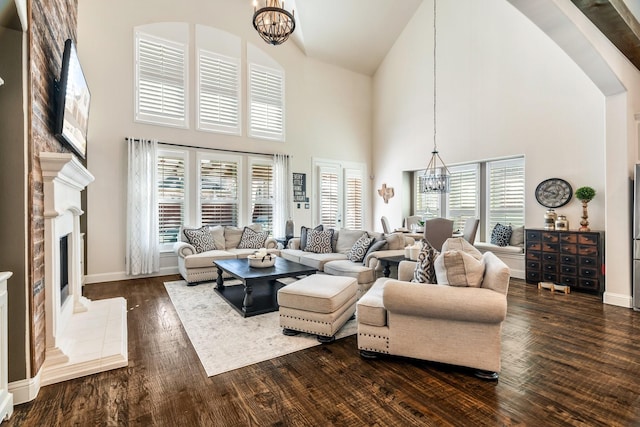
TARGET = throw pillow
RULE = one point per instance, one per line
(460, 244)
(319, 242)
(425, 271)
(458, 268)
(303, 235)
(200, 238)
(252, 239)
(501, 235)
(517, 236)
(377, 245)
(359, 248)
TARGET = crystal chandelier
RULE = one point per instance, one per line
(437, 176)
(273, 22)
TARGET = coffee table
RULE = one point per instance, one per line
(259, 291)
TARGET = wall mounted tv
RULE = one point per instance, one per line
(72, 103)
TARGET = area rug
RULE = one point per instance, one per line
(223, 339)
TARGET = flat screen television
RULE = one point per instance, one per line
(72, 104)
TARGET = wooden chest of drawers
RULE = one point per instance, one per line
(573, 258)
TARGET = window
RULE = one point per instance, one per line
(161, 81)
(505, 183)
(353, 199)
(328, 191)
(171, 196)
(219, 190)
(464, 190)
(266, 102)
(262, 195)
(218, 93)
(339, 195)
(426, 205)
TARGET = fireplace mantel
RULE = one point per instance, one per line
(82, 336)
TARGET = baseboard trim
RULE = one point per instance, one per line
(619, 300)
(25, 390)
(121, 275)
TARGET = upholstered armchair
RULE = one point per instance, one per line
(448, 324)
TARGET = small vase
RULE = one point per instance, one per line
(584, 223)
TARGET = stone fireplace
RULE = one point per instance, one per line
(82, 336)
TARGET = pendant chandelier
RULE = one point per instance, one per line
(437, 176)
(273, 22)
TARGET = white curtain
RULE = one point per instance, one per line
(283, 193)
(143, 252)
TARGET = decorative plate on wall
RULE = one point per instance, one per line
(554, 192)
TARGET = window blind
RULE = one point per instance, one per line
(266, 102)
(328, 190)
(218, 93)
(171, 196)
(506, 192)
(353, 199)
(262, 193)
(463, 194)
(218, 192)
(161, 80)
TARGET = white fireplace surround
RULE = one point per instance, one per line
(82, 336)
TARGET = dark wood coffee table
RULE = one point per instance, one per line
(259, 291)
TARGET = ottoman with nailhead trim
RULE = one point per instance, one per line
(319, 304)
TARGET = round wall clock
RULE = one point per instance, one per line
(553, 192)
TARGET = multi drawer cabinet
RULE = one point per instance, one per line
(573, 258)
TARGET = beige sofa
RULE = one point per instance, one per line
(336, 263)
(454, 325)
(198, 267)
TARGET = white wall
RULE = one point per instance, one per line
(328, 111)
(505, 88)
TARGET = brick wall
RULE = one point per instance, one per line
(51, 23)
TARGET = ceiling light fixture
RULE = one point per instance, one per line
(437, 176)
(273, 22)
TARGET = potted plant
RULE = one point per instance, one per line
(585, 195)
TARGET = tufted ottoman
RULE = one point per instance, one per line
(319, 304)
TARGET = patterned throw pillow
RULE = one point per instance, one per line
(425, 271)
(359, 248)
(319, 242)
(501, 235)
(303, 235)
(252, 239)
(200, 238)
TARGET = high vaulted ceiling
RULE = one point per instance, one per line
(357, 34)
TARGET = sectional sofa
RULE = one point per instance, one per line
(337, 261)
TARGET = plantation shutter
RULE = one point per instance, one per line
(427, 205)
(266, 102)
(262, 196)
(463, 194)
(161, 80)
(218, 192)
(328, 190)
(218, 93)
(353, 199)
(171, 196)
(506, 192)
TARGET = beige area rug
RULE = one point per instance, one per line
(223, 339)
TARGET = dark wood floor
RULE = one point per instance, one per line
(567, 360)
